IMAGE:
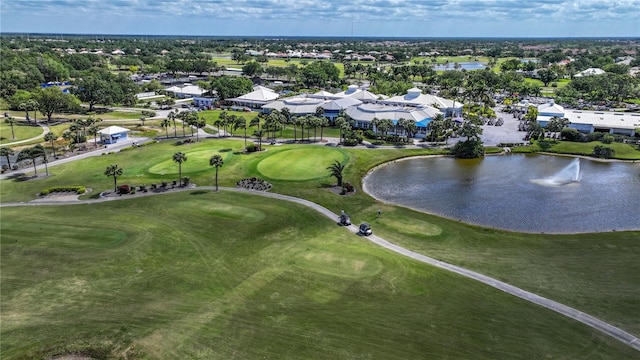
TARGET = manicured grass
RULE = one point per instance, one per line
(21, 129)
(300, 164)
(622, 151)
(573, 269)
(219, 276)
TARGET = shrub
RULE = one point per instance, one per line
(347, 187)
(185, 181)
(604, 152)
(77, 189)
(594, 136)
(133, 190)
(124, 189)
(350, 142)
(607, 139)
(252, 148)
(571, 134)
(469, 149)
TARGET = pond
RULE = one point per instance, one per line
(463, 65)
(525, 193)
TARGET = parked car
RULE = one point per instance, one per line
(365, 229)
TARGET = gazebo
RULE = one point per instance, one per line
(113, 134)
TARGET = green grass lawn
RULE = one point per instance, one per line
(158, 277)
(596, 273)
(622, 151)
(21, 129)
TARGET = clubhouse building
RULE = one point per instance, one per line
(362, 106)
(591, 121)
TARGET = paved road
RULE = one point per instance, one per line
(595, 323)
(114, 147)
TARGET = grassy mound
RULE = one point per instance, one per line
(197, 161)
(300, 164)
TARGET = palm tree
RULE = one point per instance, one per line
(51, 137)
(11, 121)
(259, 134)
(336, 170)
(376, 123)
(286, 117)
(231, 120)
(40, 151)
(6, 152)
(114, 171)
(295, 120)
(340, 121)
(25, 107)
(223, 121)
(93, 131)
(172, 117)
(179, 158)
(199, 123)
(217, 162)
(143, 119)
(33, 105)
(255, 122)
(241, 123)
(32, 153)
(165, 123)
(322, 122)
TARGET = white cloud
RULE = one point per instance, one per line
(543, 12)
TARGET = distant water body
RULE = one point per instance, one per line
(525, 193)
(463, 65)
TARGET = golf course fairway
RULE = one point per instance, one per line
(219, 275)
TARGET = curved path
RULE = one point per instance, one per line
(45, 130)
(595, 323)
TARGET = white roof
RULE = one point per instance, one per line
(324, 93)
(360, 94)
(607, 120)
(189, 89)
(590, 72)
(296, 105)
(368, 111)
(260, 93)
(113, 130)
(551, 108)
(604, 119)
(342, 103)
(415, 97)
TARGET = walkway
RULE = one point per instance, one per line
(595, 323)
(45, 130)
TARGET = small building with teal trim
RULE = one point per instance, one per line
(113, 134)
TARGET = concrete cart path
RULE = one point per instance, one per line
(45, 130)
(595, 323)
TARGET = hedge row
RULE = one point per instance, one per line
(77, 189)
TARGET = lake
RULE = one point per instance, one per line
(525, 193)
(463, 65)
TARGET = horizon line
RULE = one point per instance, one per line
(629, 37)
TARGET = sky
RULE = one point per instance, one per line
(361, 18)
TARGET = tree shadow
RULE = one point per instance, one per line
(199, 192)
